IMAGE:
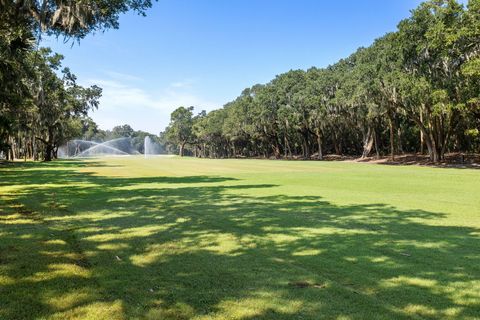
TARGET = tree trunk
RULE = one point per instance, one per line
(422, 138)
(9, 152)
(450, 129)
(377, 152)
(368, 143)
(432, 148)
(34, 148)
(48, 152)
(392, 136)
(337, 144)
(277, 150)
(306, 149)
(30, 148)
(182, 147)
(428, 137)
(319, 144)
(49, 146)
(305, 146)
(288, 152)
(399, 140)
(12, 148)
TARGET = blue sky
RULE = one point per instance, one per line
(205, 52)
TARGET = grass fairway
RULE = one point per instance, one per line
(170, 238)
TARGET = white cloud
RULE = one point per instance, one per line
(182, 84)
(124, 101)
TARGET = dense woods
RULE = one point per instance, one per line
(41, 104)
(416, 90)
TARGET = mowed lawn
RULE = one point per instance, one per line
(171, 238)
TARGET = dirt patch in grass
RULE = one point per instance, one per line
(306, 284)
(452, 160)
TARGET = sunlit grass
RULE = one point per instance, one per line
(171, 238)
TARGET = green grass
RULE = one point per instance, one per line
(170, 238)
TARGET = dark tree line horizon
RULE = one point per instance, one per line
(415, 90)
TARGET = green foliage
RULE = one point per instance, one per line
(71, 18)
(420, 79)
(122, 131)
(59, 103)
(472, 68)
(35, 104)
(180, 130)
(472, 133)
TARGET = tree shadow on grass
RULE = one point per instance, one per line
(184, 247)
(25, 173)
(63, 163)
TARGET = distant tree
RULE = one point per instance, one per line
(90, 129)
(123, 131)
(179, 130)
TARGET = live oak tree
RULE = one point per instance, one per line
(180, 128)
(418, 86)
(121, 131)
(70, 18)
(22, 24)
(59, 102)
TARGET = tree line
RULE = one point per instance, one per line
(91, 132)
(415, 90)
(41, 104)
